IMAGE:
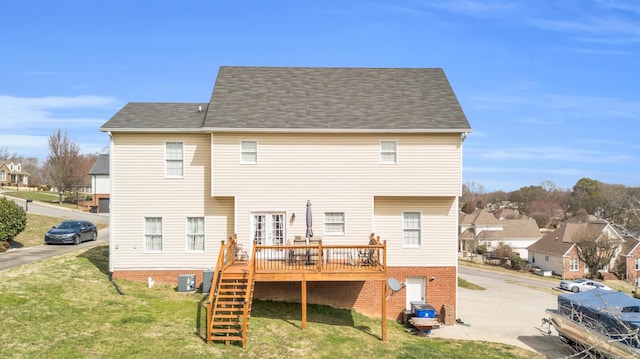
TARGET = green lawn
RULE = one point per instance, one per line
(65, 307)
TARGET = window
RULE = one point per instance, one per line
(546, 258)
(153, 234)
(637, 282)
(174, 159)
(334, 223)
(533, 258)
(195, 234)
(249, 152)
(388, 152)
(411, 229)
(574, 265)
(637, 263)
(3, 175)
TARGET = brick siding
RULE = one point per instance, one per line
(362, 296)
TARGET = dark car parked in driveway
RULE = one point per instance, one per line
(71, 231)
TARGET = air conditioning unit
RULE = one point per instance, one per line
(186, 283)
(207, 277)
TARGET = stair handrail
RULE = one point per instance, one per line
(213, 298)
(248, 299)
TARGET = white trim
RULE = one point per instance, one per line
(144, 235)
(419, 229)
(186, 234)
(175, 160)
(395, 152)
(242, 152)
(344, 224)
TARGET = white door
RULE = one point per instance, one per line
(268, 230)
(415, 289)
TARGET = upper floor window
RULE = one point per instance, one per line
(195, 234)
(637, 263)
(174, 161)
(249, 152)
(153, 234)
(411, 229)
(388, 152)
(334, 223)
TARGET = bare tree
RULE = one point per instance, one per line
(63, 164)
(595, 249)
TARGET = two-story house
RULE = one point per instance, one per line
(374, 150)
(12, 174)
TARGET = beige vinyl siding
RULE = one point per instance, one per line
(337, 173)
(438, 242)
(428, 164)
(140, 189)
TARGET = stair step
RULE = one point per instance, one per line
(228, 316)
(226, 330)
(226, 337)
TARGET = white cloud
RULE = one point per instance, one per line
(27, 122)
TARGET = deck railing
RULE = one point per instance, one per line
(317, 257)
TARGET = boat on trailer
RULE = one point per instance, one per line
(605, 323)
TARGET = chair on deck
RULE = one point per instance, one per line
(368, 256)
(298, 254)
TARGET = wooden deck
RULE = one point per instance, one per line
(314, 263)
(231, 294)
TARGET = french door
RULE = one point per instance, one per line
(268, 229)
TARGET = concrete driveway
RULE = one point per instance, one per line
(509, 311)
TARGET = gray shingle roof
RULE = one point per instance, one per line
(157, 116)
(334, 98)
(100, 166)
(309, 99)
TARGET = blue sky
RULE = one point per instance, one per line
(550, 87)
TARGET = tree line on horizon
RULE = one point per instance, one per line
(550, 205)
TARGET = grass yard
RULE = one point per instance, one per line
(65, 307)
(44, 197)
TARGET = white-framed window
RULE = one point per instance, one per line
(153, 234)
(334, 223)
(3, 175)
(574, 265)
(546, 258)
(637, 282)
(249, 152)
(174, 159)
(388, 152)
(533, 258)
(411, 229)
(637, 262)
(195, 234)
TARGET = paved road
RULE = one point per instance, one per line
(509, 311)
(19, 256)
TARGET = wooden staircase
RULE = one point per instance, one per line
(229, 307)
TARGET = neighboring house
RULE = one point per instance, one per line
(483, 228)
(100, 184)
(557, 251)
(373, 149)
(629, 260)
(11, 174)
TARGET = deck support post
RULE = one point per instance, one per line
(304, 304)
(384, 311)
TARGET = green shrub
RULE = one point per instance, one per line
(13, 219)
(481, 249)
